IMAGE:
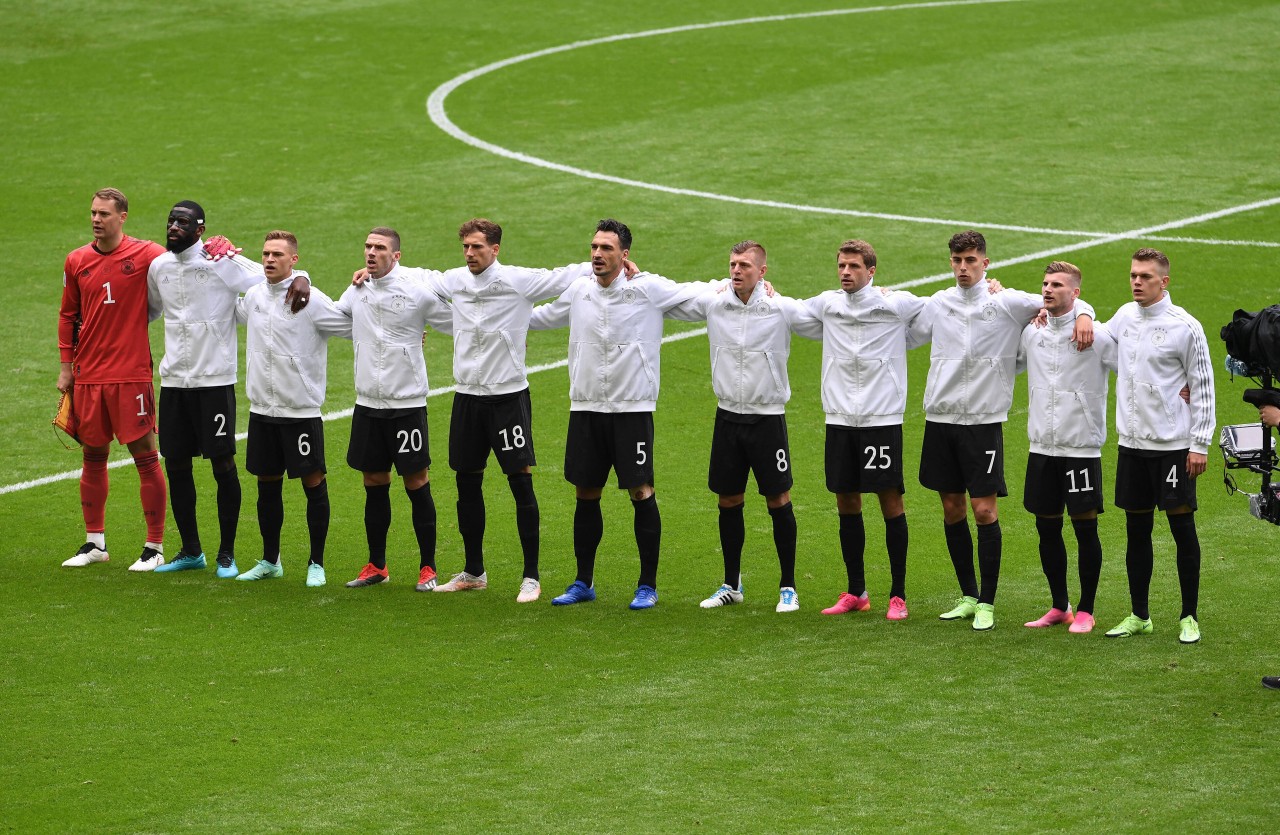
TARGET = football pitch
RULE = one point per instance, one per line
(1073, 129)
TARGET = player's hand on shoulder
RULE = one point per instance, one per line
(630, 268)
(360, 276)
(299, 293)
(1082, 336)
(994, 286)
(219, 247)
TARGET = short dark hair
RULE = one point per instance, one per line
(618, 228)
(193, 207)
(748, 245)
(287, 237)
(387, 232)
(857, 247)
(967, 240)
(1149, 254)
(492, 232)
(115, 195)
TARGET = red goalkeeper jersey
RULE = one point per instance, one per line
(105, 297)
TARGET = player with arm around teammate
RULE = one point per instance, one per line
(864, 396)
(106, 369)
(749, 332)
(974, 336)
(615, 341)
(287, 371)
(1066, 426)
(197, 297)
(1163, 441)
(492, 410)
(389, 314)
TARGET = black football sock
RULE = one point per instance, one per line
(424, 524)
(1090, 548)
(528, 520)
(1138, 560)
(317, 519)
(471, 521)
(1053, 559)
(1187, 543)
(853, 547)
(733, 533)
(960, 547)
(784, 539)
(270, 518)
(182, 501)
(648, 528)
(989, 548)
(377, 521)
(588, 529)
(895, 540)
(230, 498)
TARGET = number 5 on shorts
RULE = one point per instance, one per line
(642, 455)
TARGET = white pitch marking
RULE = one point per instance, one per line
(1132, 234)
(436, 111)
(1208, 241)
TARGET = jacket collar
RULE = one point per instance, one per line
(1157, 308)
(193, 253)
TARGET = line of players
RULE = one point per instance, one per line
(980, 335)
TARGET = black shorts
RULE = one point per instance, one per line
(281, 445)
(383, 437)
(865, 460)
(1054, 481)
(502, 423)
(754, 443)
(956, 458)
(1147, 480)
(599, 441)
(198, 422)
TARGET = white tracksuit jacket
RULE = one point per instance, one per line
(864, 354)
(615, 338)
(1161, 348)
(491, 320)
(287, 354)
(750, 343)
(1067, 389)
(197, 298)
(388, 317)
(975, 337)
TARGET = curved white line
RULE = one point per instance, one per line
(438, 115)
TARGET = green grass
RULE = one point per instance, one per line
(179, 703)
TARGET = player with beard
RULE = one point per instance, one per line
(615, 342)
(197, 297)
